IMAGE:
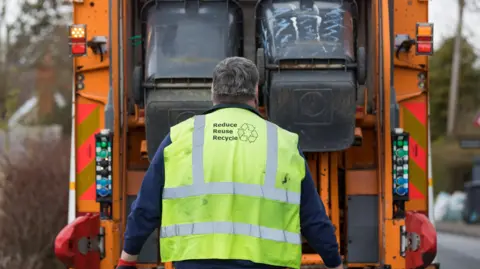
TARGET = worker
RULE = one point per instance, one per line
(229, 189)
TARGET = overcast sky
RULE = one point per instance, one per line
(443, 13)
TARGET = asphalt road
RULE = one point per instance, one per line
(458, 252)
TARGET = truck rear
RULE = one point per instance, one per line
(350, 77)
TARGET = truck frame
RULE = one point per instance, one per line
(357, 94)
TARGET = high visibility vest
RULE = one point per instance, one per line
(232, 190)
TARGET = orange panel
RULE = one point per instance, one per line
(90, 100)
(406, 83)
(96, 18)
(406, 16)
(112, 243)
(363, 156)
(361, 182)
(392, 254)
(134, 157)
(310, 259)
(118, 208)
(386, 240)
(134, 181)
(413, 100)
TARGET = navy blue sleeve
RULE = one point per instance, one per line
(315, 225)
(146, 211)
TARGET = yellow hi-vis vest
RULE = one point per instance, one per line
(232, 190)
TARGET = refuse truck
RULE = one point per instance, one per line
(349, 76)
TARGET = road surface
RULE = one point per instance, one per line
(458, 252)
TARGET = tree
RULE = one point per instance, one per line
(451, 163)
(33, 196)
(40, 29)
(440, 70)
(33, 189)
(455, 70)
(4, 45)
(37, 20)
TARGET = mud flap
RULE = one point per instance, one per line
(77, 244)
(421, 237)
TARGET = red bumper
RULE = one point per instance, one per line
(77, 244)
(422, 241)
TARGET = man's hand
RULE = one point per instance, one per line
(128, 258)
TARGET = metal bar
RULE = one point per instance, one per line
(177, 85)
(294, 66)
(324, 183)
(335, 210)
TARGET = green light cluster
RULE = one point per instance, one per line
(400, 150)
(103, 150)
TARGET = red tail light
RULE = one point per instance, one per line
(424, 39)
(78, 39)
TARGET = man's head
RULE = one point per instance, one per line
(235, 81)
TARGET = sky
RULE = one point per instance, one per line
(443, 13)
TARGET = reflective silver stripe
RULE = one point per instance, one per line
(272, 156)
(199, 187)
(198, 138)
(233, 188)
(230, 228)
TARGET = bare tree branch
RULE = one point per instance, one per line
(34, 203)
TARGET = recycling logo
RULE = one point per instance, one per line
(247, 133)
